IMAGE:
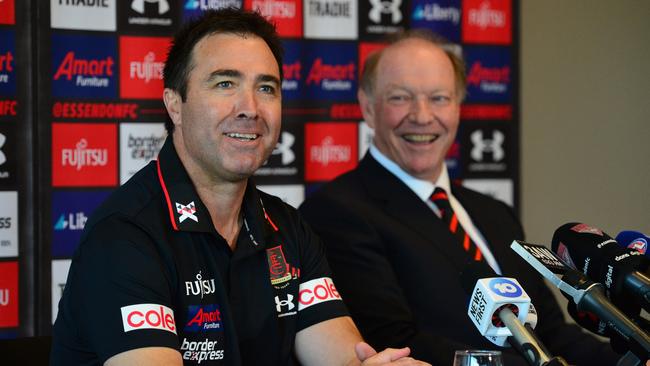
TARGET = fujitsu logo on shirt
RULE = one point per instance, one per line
(147, 69)
(200, 286)
(88, 72)
(81, 156)
(327, 152)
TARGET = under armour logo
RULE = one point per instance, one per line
(3, 158)
(283, 147)
(484, 145)
(380, 7)
(288, 303)
(138, 5)
(186, 211)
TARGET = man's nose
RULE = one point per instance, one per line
(421, 111)
(246, 105)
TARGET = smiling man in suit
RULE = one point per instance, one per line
(398, 232)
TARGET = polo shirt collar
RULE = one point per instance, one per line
(188, 213)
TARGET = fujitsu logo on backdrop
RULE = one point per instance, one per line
(146, 69)
(487, 17)
(275, 8)
(82, 155)
(331, 77)
(89, 72)
(327, 152)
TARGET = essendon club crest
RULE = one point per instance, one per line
(278, 266)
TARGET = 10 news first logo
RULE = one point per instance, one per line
(490, 295)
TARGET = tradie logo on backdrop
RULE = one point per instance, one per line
(487, 21)
(84, 66)
(142, 60)
(96, 15)
(84, 154)
(326, 19)
(330, 150)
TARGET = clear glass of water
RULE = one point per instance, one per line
(478, 358)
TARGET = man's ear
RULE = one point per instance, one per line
(173, 104)
(365, 102)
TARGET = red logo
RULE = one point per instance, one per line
(316, 291)
(148, 316)
(478, 73)
(278, 266)
(487, 21)
(365, 49)
(84, 154)
(142, 60)
(8, 107)
(285, 14)
(330, 150)
(9, 294)
(71, 65)
(7, 12)
(320, 71)
(586, 229)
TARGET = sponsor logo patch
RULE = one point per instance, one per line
(206, 318)
(142, 60)
(317, 291)
(487, 21)
(96, 15)
(186, 212)
(200, 286)
(200, 351)
(442, 16)
(148, 316)
(331, 19)
(330, 150)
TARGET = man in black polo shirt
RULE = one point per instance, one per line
(188, 262)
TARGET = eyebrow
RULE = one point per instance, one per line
(264, 78)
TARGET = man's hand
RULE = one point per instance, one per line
(390, 356)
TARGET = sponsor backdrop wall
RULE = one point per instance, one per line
(94, 91)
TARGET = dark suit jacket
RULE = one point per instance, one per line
(397, 267)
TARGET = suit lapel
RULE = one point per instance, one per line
(399, 202)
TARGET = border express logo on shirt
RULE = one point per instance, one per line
(331, 19)
(332, 71)
(9, 294)
(330, 150)
(441, 16)
(487, 21)
(285, 14)
(7, 12)
(7, 62)
(70, 211)
(194, 8)
(96, 15)
(489, 74)
(142, 60)
(84, 66)
(84, 154)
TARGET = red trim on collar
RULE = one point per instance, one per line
(266, 216)
(169, 202)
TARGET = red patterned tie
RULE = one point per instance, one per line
(448, 216)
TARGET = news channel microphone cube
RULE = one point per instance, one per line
(489, 296)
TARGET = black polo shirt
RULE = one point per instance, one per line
(151, 270)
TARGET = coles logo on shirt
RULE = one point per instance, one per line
(194, 8)
(7, 62)
(317, 291)
(7, 12)
(84, 154)
(142, 60)
(487, 21)
(84, 66)
(285, 14)
(442, 16)
(331, 71)
(148, 316)
(489, 74)
(8, 294)
(330, 150)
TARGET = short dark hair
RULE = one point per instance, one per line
(453, 51)
(229, 20)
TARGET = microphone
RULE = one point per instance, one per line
(634, 240)
(601, 258)
(588, 296)
(501, 311)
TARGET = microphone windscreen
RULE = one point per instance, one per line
(634, 240)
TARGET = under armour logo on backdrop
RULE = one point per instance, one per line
(283, 147)
(3, 158)
(380, 7)
(486, 145)
(186, 211)
(138, 5)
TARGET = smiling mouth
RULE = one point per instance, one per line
(243, 136)
(424, 138)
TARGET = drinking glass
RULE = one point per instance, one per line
(478, 358)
